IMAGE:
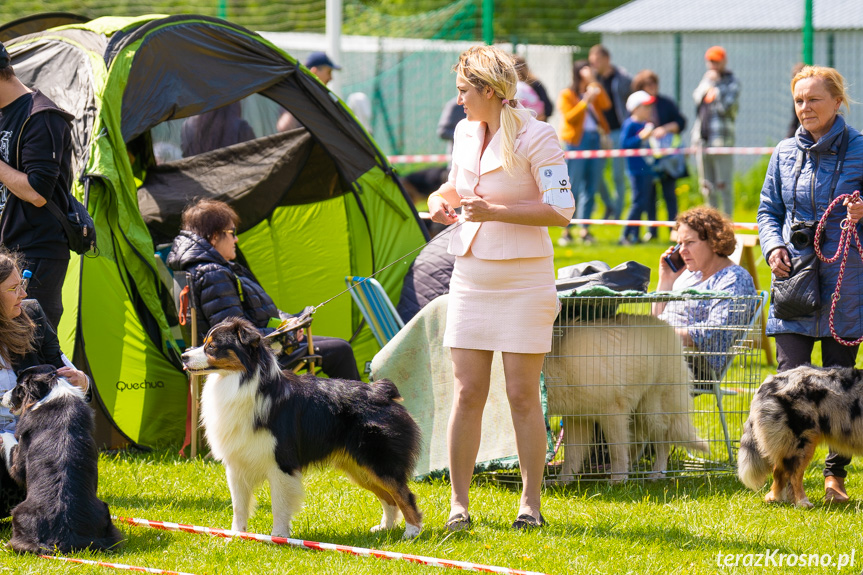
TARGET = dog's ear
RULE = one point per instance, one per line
(35, 370)
(39, 380)
(247, 334)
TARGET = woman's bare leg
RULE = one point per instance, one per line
(472, 369)
(522, 389)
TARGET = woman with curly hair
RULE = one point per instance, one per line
(706, 239)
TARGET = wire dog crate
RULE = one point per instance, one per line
(651, 386)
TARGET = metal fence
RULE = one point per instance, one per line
(633, 395)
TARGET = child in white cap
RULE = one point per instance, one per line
(634, 132)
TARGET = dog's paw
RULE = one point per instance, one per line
(378, 528)
(238, 527)
(804, 503)
(285, 533)
(618, 478)
(411, 531)
(7, 442)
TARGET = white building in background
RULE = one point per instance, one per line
(763, 39)
(408, 81)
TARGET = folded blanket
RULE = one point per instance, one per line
(416, 361)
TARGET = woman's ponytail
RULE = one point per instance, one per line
(511, 121)
(492, 67)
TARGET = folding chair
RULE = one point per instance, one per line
(187, 309)
(375, 305)
(299, 355)
(713, 385)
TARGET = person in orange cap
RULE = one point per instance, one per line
(716, 98)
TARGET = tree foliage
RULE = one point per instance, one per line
(518, 21)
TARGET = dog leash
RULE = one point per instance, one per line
(305, 317)
(849, 231)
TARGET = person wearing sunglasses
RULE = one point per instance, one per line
(27, 338)
(206, 249)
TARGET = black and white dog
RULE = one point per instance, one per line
(269, 425)
(54, 455)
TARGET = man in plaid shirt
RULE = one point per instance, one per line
(716, 101)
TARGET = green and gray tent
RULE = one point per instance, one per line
(317, 203)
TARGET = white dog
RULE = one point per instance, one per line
(628, 375)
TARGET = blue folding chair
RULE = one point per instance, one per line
(713, 386)
(375, 305)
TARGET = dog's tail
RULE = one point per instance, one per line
(683, 433)
(752, 467)
(384, 390)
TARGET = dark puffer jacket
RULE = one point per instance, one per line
(427, 278)
(214, 282)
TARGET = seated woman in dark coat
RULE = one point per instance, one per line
(206, 248)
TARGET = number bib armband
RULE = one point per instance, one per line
(555, 186)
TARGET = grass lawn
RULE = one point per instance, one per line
(667, 527)
(663, 527)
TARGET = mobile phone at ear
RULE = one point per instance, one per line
(674, 259)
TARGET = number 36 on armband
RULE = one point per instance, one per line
(555, 186)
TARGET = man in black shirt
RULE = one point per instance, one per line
(618, 86)
(35, 168)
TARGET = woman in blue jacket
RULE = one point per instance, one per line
(805, 174)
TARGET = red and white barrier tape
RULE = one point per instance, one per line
(652, 223)
(588, 154)
(113, 565)
(360, 551)
(661, 224)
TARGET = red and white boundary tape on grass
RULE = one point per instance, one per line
(360, 551)
(113, 565)
(588, 154)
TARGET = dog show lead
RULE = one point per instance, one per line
(349, 549)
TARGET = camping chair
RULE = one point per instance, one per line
(296, 353)
(375, 305)
(712, 384)
(187, 309)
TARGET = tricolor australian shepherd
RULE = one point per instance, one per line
(54, 455)
(265, 424)
(791, 413)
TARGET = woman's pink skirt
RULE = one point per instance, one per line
(501, 305)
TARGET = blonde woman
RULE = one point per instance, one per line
(510, 180)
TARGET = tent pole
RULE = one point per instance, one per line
(334, 39)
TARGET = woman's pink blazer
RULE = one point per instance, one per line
(480, 174)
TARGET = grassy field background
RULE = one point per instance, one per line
(665, 527)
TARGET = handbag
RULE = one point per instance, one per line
(799, 294)
(77, 223)
(672, 165)
(605, 141)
